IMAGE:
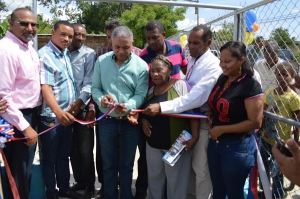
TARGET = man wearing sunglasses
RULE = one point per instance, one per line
(82, 159)
(20, 87)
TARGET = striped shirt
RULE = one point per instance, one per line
(56, 71)
(174, 52)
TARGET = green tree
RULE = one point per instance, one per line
(225, 33)
(3, 7)
(283, 37)
(139, 15)
(95, 15)
(45, 26)
(4, 26)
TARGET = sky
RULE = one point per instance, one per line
(281, 13)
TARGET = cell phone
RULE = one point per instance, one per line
(282, 148)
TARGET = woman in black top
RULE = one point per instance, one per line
(237, 108)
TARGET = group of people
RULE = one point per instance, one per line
(67, 80)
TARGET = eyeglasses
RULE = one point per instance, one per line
(78, 35)
(26, 24)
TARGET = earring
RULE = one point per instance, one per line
(240, 72)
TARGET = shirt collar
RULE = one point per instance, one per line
(10, 35)
(113, 57)
(56, 50)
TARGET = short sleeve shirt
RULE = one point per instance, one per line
(227, 103)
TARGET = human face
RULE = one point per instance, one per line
(122, 48)
(79, 37)
(159, 72)
(108, 37)
(155, 39)
(196, 45)
(270, 56)
(62, 37)
(283, 76)
(24, 33)
(230, 64)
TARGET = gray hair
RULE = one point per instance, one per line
(122, 31)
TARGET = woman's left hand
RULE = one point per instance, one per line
(189, 144)
(215, 132)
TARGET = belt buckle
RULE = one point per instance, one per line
(120, 118)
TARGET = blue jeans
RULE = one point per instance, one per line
(55, 150)
(118, 142)
(230, 162)
(20, 157)
(82, 157)
(268, 159)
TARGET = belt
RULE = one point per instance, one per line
(235, 136)
(116, 118)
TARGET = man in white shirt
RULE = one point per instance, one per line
(203, 71)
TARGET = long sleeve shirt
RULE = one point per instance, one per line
(83, 60)
(19, 79)
(128, 83)
(202, 76)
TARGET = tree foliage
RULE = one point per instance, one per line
(225, 33)
(45, 25)
(139, 15)
(283, 37)
(4, 26)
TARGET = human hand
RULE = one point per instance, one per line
(152, 109)
(189, 144)
(289, 166)
(75, 107)
(65, 118)
(133, 118)
(106, 99)
(32, 136)
(146, 127)
(120, 109)
(3, 106)
(90, 116)
(215, 132)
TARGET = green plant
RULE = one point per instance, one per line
(297, 55)
(4, 26)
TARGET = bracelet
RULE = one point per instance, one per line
(92, 107)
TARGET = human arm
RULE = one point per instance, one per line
(3, 105)
(289, 166)
(197, 96)
(85, 93)
(63, 117)
(140, 90)
(195, 127)
(254, 108)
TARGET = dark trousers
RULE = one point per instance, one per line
(82, 158)
(55, 151)
(141, 183)
(20, 157)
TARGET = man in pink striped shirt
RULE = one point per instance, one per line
(20, 87)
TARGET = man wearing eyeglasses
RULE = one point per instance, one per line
(20, 87)
(82, 159)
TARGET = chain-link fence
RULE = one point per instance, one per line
(270, 29)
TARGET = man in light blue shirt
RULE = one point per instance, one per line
(82, 159)
(120, 77)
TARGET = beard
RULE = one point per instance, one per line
(27, 37)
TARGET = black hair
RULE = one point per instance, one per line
(13, 14)
(61, 22)
(270, 45)
(207, 33)
(154, 24)
(112, 24)
(290, 65)
(78, 24)
(238, 50)
(165, 60)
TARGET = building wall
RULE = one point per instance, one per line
(93, 41)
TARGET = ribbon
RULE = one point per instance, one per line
(179, 115)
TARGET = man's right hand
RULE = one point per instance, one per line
(3, 106)
(32, 134)
(106, 99)
(65, 118)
